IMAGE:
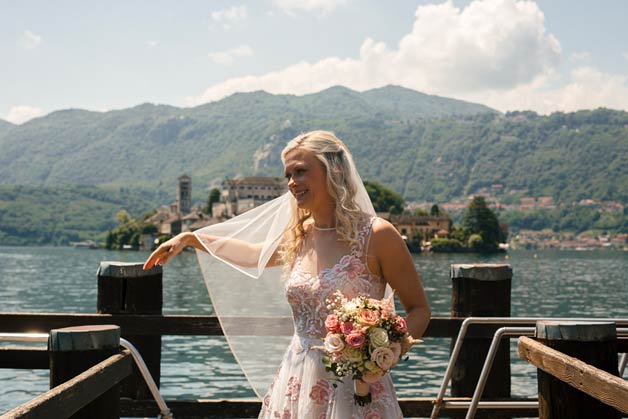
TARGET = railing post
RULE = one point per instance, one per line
(126, 289)
(73, 350)
(593, 343)
(481, 290)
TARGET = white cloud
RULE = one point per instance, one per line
(30, 40)
(20, 114)
(229, 16)
(495, 52)
(580, 56)
(324, 6)
(625, 55)
(229, 56)
(152, 44)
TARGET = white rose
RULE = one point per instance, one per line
(383, 357)
(378, 337)
(334, 343)
(350, 354)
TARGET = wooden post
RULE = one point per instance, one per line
(481, 290)
(74, 350)
(126, 289)
(593, 343)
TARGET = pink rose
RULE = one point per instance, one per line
(321, 392)
(355, 339)
(399, 323)
(383, 357)
(368, 317)
(332, 324)
(347, 328)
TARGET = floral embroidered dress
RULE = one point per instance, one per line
(301, 389)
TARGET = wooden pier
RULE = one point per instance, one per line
(72, 397)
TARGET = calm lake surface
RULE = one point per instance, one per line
(545, 284)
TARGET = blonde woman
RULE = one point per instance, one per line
(326, 237)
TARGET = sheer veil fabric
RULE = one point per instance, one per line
(247, 296)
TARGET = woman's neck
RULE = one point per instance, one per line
(324, 219)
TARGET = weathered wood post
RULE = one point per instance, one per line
(73, 350)
(481, 290)
(593, 343)
(126, 289)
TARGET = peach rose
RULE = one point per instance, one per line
(368, 317)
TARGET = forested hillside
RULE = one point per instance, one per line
(425, 148)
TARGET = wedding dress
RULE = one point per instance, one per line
(301, 388)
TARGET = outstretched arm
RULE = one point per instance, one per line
(233, 250)
(389, 257)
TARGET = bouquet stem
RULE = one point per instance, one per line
(362, 391)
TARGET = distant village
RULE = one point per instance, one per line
(240, 195)
(538, 239)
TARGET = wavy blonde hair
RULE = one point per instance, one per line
(341, 186)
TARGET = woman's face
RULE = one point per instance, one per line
(307, 180)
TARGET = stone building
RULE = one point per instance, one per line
(421, 226)
(241, 195)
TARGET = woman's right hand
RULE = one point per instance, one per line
(166, 250)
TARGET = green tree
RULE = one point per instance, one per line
(214, 196)
(384, 199)
(435, 211)
(481, 220)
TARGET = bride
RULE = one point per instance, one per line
(325, 237)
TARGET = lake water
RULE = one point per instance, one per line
(545, 284)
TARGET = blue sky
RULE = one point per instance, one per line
(544, 55)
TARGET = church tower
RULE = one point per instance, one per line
(184, 197)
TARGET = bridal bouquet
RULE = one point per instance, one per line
(364, 340)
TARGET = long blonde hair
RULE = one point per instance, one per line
(341, 186)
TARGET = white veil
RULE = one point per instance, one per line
(249, 300)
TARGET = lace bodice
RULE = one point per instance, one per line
(307, 292)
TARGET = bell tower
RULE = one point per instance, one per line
(184, 196)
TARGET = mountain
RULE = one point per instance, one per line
(424, 147)
(148, 143)
(5, 126)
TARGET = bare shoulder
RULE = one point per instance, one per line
(385, 244)
(384, 233)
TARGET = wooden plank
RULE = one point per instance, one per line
(198, 325)
(205, 325)
(66, 399)
(247, 408)
(605, 387)
(24, 358)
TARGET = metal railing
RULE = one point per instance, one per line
(475, 403)
(165, 412)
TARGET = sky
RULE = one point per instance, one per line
(543, 55)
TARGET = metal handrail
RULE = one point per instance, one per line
(439, 402)
(165, 412)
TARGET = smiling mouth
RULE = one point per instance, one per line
(299, 195)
